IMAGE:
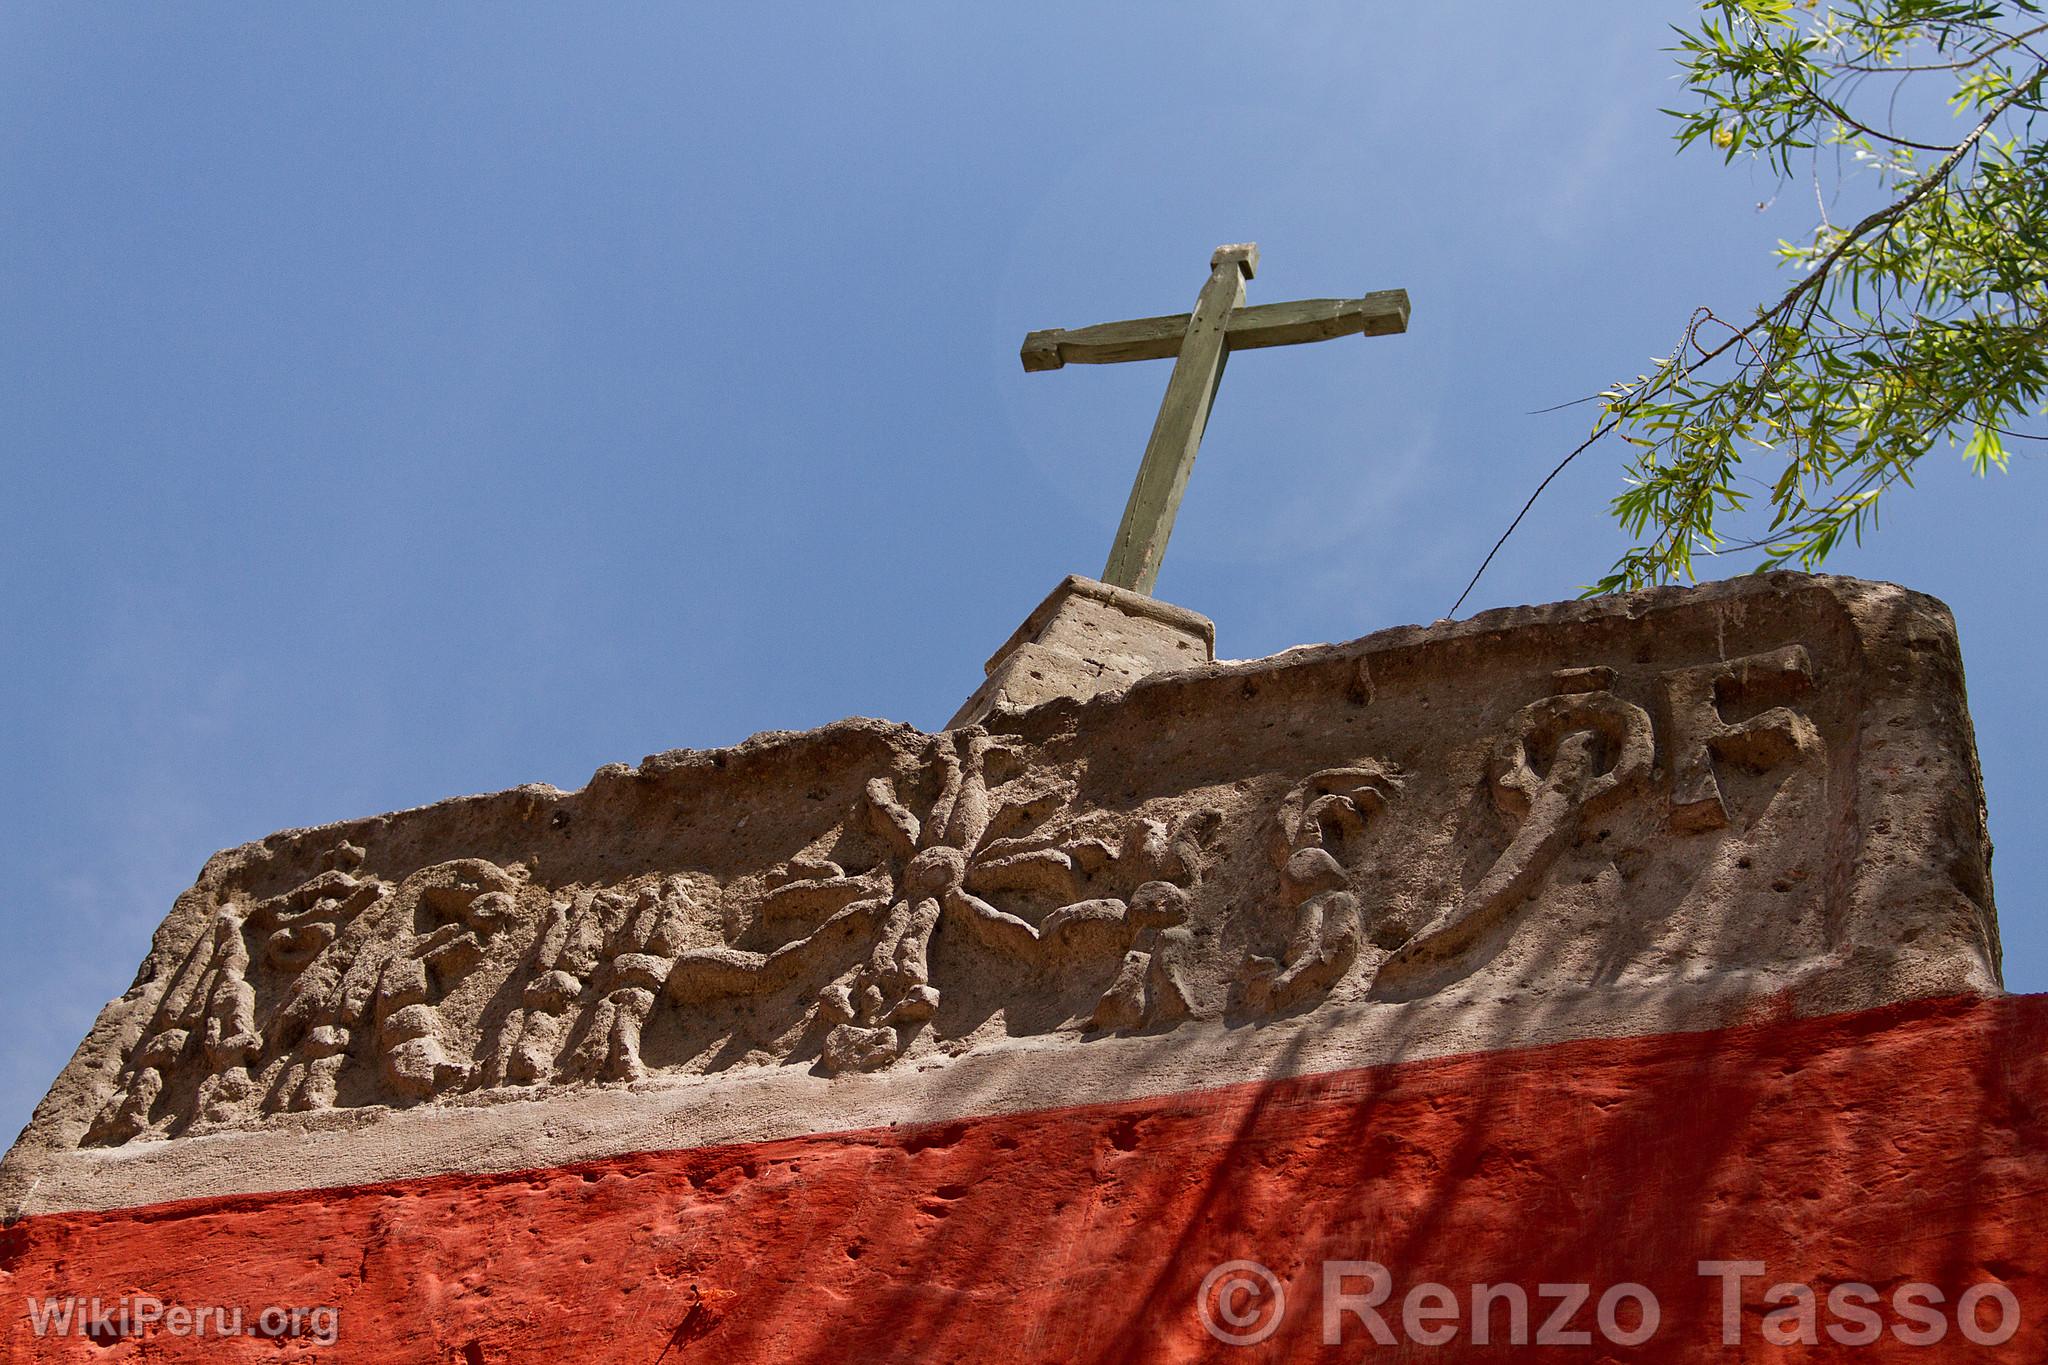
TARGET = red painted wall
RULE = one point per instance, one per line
(1899, 1145)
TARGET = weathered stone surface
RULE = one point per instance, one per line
(1632, 815)
(1087, 638)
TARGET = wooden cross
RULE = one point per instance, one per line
(1199, 342)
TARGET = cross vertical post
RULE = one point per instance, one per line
(1183, 416)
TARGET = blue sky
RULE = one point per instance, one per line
(402, 402)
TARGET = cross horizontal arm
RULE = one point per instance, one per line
(1267, 324)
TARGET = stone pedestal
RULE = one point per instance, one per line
(1085, 639)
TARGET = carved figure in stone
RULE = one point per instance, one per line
(1152, 986)
(602, 956)
(461, 904)
(1319, 819)
(308, 1031)
(639, 952)
(876, 1007)
(389, 984)
(207, 1016)
(1699, 735)
(563, 955)
(1566, 756)
(840, 910)
(985, 833)
(294, 930)
(206, 1019)
(584, 930)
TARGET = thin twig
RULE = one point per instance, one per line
(1600, 431)
(1881, 218)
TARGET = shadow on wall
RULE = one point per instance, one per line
(1897, 1145)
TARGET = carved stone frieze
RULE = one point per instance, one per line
(1769, 781)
